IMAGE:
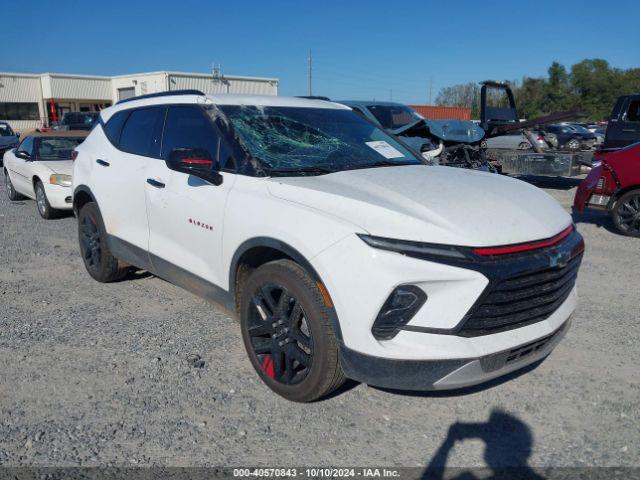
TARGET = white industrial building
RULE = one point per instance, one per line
(29, 101)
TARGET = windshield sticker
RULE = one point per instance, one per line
(384, 149)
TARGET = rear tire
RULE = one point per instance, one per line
(288, 333)
(94, 248)
(626, 214)
(11, 191)
(45, 209)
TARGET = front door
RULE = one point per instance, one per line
(185, 212)
(20, 171)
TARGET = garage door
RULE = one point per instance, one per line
(124, 93)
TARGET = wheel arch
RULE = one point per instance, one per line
(81, 196)
(257, 251)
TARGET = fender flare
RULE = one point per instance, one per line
(287, 250)
(81, 189)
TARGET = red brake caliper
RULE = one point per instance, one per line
(267, 365)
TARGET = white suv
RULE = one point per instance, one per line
(342, 253)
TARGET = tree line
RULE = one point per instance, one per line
(590, 86)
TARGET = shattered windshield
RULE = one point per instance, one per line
(394, 116)
(294, 140)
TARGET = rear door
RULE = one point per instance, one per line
(185, 212)
(119, 174)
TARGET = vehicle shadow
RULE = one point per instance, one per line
(460, 392)
(597, 218)
(555, 183)
(508, 445)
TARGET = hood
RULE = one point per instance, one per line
(445, 205)
(64, 167)
(8, 141)
(460, 131)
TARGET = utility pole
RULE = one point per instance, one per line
(310, 74)
(430, 89)
(391, 94)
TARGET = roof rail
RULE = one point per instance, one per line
(162, 94)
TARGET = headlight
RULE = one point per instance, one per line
(414, 249)
(62, 180)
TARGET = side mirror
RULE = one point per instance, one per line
(23, 155)
(196, 162)
(18, 134)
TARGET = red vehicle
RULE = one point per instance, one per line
(614, 185)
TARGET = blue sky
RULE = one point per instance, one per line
(361, 50)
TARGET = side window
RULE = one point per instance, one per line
(113, 128)
(27, 146)
(188, 127)
(141, 132)
(633, 113)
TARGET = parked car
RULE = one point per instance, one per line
(516, 141)
(582, 129)
(8, 139)
(613, 185)
(624, 123)
(78, 121)
(571, 139)
(40, 168)
(454, 143)
(340, 250)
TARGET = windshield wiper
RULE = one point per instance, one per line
(381, 163)
(300, 172)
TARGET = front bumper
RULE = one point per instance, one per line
(59, 197)
(446, 374)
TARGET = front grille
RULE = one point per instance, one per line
(521, 299)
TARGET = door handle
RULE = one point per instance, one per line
(102, 162)
(155, 183)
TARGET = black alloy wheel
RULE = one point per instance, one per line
(94, 248)
(90, 242)
(280, 335)
(287, 321)
(626, 214)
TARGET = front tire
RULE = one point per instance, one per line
(288, 333)
(573, 144)
(45, 209)
(97, 257)
(11, 191)
(626, 214)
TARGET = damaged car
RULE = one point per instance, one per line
(342, 253)
(451, 143)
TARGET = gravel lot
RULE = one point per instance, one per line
(94, 374)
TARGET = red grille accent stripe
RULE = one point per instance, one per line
(524, 247)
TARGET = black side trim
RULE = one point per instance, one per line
(172, 273)
(129, 253)
(194, 284)
(395, 374)
(287, 250)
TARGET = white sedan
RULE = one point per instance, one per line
(40, 168)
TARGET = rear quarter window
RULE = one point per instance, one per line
(113, 128)
(142, 132)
